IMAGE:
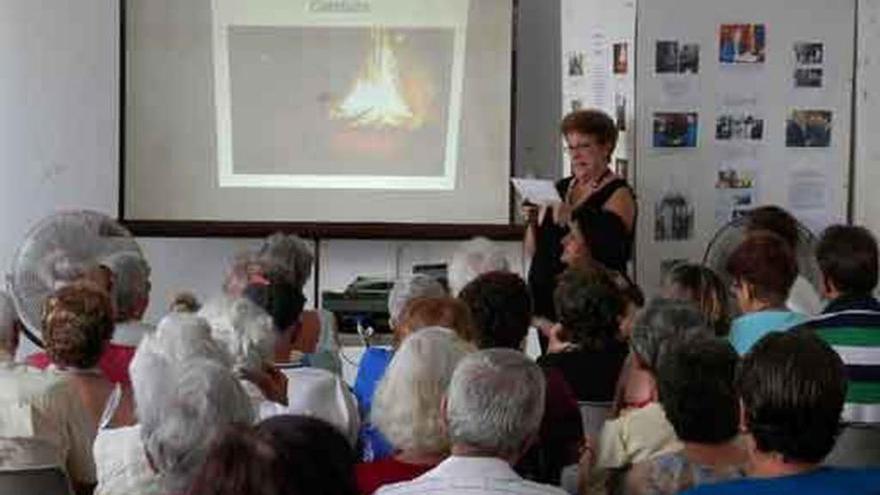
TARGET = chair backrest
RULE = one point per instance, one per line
(857, 446)
(42, 481)
(594, 415)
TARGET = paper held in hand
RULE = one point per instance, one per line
(538, 191)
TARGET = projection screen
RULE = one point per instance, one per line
(318, 110)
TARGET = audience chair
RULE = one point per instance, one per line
(43, 481)
(857, 446)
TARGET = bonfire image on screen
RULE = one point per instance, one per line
(318, 102)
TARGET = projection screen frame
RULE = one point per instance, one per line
(315, 230)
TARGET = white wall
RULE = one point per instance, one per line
(867, 164)
(59, 111)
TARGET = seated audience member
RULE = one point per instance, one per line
(590, 310)
(597, 235)
(284, 455)
(287, 260)
(763, 268)
(375, 359)
(120, 456)
(473, 258)
(695, 381)
(446, 312)
(42, 419)
(684, 282)
(77, 325)
(847, 257)
(500, 305)
(791, 387)
(406, 408)
(703, 287)
(181, 407)
(642, 430)
(802, 298)
(492, 413)
(247, 332)
(130, 290)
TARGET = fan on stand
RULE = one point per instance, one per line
(59, 250)
(804, 293)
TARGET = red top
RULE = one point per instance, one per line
(373, 475)
(114, 362)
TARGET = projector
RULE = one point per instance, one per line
(364, 302)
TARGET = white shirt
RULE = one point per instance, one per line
(122, 463)
(470, 476)
(43, 423)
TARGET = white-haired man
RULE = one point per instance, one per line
(492, 412)
(184, 392)
(42, 420)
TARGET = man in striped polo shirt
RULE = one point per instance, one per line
(850, 323)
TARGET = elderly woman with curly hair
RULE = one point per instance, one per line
(407, 407)
(77, 325)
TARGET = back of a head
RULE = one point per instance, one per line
(446, 312)
(179, 337)
(661, 320)
(287, 257)
(195, 400)
(473, 258)
(766, 261)
(406, 407)
(589, 307)
(606, 235)
(77, 322)
(131, 284)
(792, 387)
(244, 328)
(847, 256)
(406, 289)
(774, 219)
(500, 305)
(283, 455)
(279, 298)
(695, 379)
(703, 287)
(495, 402)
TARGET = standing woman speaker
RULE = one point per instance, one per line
(590, 137)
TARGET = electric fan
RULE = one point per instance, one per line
(57, 251)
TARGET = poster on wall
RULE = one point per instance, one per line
(674, 57)
(739, 127)
(809, 64)
(808, 129)
(673, 217)
(736, 191)
(675, 129)
(742, 44)
(621, 58)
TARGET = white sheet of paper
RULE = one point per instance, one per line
(538, 191)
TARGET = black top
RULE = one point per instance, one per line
(591, 374)
(546, 263)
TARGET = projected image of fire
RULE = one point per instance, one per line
(341, 100)
(377, 99)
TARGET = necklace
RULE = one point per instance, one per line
(598, 180)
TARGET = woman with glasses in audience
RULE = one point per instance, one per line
(590, 137)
